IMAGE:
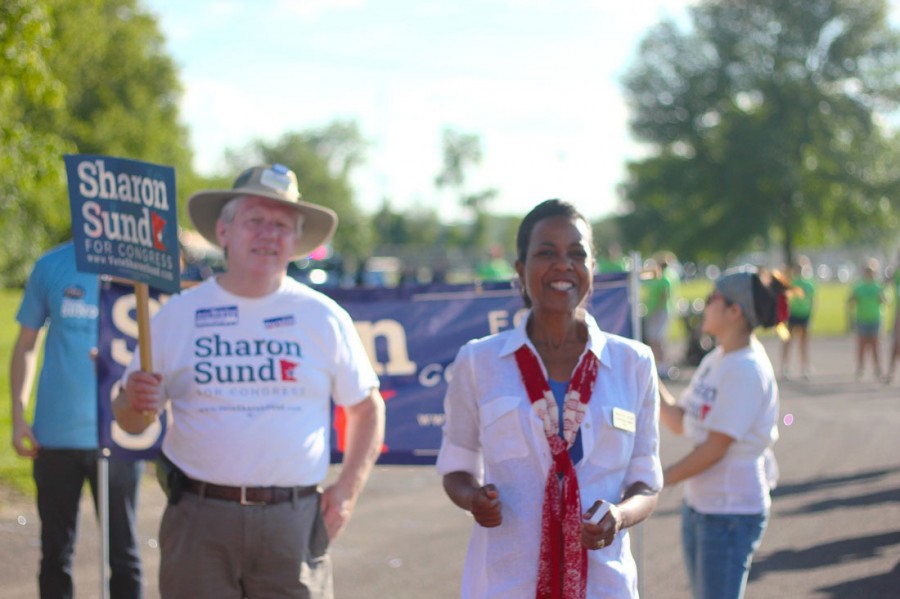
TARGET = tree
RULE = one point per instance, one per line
(323, 160)
(31, 172)
(461, 151)
(417, 229)
(766, 122)
(86, 76)
(122, 88)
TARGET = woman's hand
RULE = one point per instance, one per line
(482, 501)
(486, 506)
(603, 533)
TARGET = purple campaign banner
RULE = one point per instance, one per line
(412, 335)
(124, 219)
(117, 340)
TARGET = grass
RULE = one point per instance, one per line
(15, 471)
(829, 318)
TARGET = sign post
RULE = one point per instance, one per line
(142, 296)
(124, 225)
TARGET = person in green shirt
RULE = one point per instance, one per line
(656, 290)
(865, 303)
(894, 278)
(800, 306)
(496, 267)
(612, 260)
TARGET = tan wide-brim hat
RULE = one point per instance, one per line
(275, 182)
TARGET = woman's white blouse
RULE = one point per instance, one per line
(492, 432)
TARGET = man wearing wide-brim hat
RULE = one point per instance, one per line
(248, 362)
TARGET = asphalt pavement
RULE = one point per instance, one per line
(834, 530)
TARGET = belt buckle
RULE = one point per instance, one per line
(245, 501)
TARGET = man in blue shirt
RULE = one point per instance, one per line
(63, 439)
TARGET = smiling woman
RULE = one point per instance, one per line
(595, 395)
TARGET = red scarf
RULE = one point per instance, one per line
(562, 570)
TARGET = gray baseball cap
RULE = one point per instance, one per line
(736, 285)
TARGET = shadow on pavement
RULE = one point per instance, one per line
(864, 500)
(818, 484)
(826, 554)
(880, 586)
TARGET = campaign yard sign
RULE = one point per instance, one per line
(124, 221)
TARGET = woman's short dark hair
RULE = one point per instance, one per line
(546, 209)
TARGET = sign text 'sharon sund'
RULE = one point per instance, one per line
(124, 219)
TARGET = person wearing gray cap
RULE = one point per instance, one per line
(730, 413)
(248, 362)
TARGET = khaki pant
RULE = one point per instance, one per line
(221, 550)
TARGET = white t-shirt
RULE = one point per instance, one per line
(734, 393)
(249, 382)
(492, 432)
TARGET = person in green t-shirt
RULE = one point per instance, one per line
(612, 260)
(800, 307)
(865, 303)
(496, 267)
(894, 279)
(656, 290)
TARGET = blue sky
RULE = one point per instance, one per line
(537, 80)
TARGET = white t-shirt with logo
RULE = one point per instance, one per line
(249, 382)
(734, 393)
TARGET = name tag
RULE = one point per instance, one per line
(624, 420)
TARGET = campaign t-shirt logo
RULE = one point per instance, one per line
(279, 321)
(287, 370)
(74, 292)
(216, 317)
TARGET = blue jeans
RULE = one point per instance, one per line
(718, 549)
(59, 475)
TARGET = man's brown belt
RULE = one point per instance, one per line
(247, 495)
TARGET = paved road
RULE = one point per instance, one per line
(834, 530)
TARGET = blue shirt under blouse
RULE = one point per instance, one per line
(559, 393)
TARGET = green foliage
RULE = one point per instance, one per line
(31, 173)
(765, 123)
(416, 229)
(15, 471)
(87, 76)
(461, 153)
(122, 89)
